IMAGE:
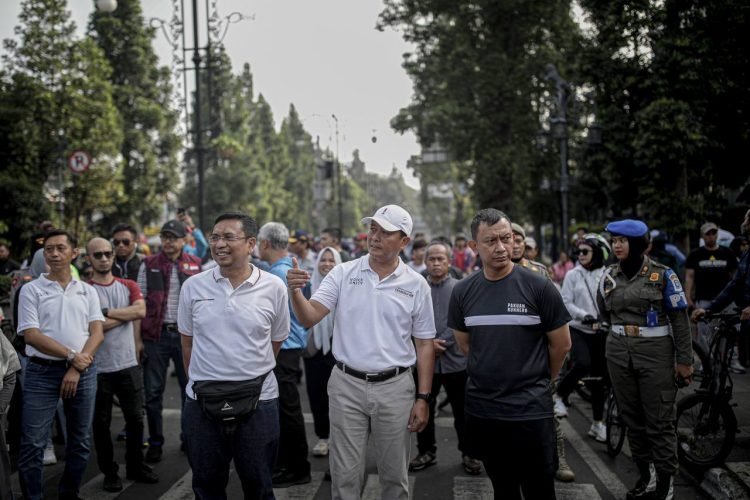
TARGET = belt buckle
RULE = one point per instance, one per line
(368, 375)
(632, 331)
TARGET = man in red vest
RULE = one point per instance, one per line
(160, 278)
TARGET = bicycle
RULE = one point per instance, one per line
(706, 424)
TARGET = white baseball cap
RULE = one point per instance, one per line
(392, 218)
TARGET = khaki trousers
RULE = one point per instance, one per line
(358, 410)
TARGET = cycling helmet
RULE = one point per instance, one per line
(600, 247)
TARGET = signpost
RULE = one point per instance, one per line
(79, 161)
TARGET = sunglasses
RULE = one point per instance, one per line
(99, 255)
(583, 251)
(125, 242)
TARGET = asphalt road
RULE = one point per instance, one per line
(598, 476)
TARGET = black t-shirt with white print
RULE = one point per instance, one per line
(507, 321)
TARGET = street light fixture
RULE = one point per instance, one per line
(106, 6)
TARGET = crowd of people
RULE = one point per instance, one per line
(378, 329)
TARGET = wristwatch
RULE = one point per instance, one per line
(423, 395)
(71, 355)
(105, 311)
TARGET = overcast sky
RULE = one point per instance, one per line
(323, 56)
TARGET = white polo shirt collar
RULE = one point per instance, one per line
(250, 281)
(400, 268)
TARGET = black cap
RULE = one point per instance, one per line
(174, 227)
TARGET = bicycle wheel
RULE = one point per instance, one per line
(615, 428)
(705, 433)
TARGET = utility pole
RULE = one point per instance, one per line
(560, 131)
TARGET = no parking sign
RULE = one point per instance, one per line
(79, 161)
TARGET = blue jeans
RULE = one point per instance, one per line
(41, 391)
(155, 367)
(211, 446)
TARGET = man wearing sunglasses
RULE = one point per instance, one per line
(127, 261)
(160, 279)
(118, 372)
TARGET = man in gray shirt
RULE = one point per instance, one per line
(450, 363)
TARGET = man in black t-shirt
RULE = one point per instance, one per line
(513, 326)
(707, 271)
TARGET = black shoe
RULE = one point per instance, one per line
(153, 454)
(143, 476)
(286, 479)
(640, 492)
(327, 475)
(112, 483)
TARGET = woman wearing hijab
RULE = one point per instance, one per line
(648, 349)
(579, 294)
(319, 360)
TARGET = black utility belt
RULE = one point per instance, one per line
(48, 362)
(372, 376)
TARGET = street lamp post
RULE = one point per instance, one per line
(338, 177)
(559, 125)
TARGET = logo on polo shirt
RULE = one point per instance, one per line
(516, 308)
(403, 291)
(356, 281)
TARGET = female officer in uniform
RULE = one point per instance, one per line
(641, 299)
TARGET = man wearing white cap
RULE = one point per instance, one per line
(379, 306)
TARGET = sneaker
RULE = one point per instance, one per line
(598, 431)
(144, 475)
(560, 409)
(287, 478)
(472, 465)
(422, 461)
(49, 456)
(153, 454)
(736, 367)
(320, 449)
(112, 483)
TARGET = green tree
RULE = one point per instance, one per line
(55, 97)
(142, 94)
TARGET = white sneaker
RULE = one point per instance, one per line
(320, 449)
(598, 431)
(736, 367)
(560, 409)
(49, 456)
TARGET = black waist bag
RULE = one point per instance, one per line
(229, 401)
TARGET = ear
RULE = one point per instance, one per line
(473, 245)
(404, 242)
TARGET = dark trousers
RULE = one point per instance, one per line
(293, 440)
(317, 372)
(455, 387)
(251, 443)
(127, 385)
(155, 364)
(5, 485)
(588, 359)
(517, 455)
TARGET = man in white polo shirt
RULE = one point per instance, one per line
(380, 305)
(61, 321)
(232, 320)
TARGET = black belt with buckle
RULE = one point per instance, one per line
(372, 376)
(48, 362)
(170, 327)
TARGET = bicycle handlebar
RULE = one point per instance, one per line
(730, 319)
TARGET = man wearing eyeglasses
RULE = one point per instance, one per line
(118, 373)
(160, 278)
(127, 261)
(233, 319)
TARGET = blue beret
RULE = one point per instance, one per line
(627, 227)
